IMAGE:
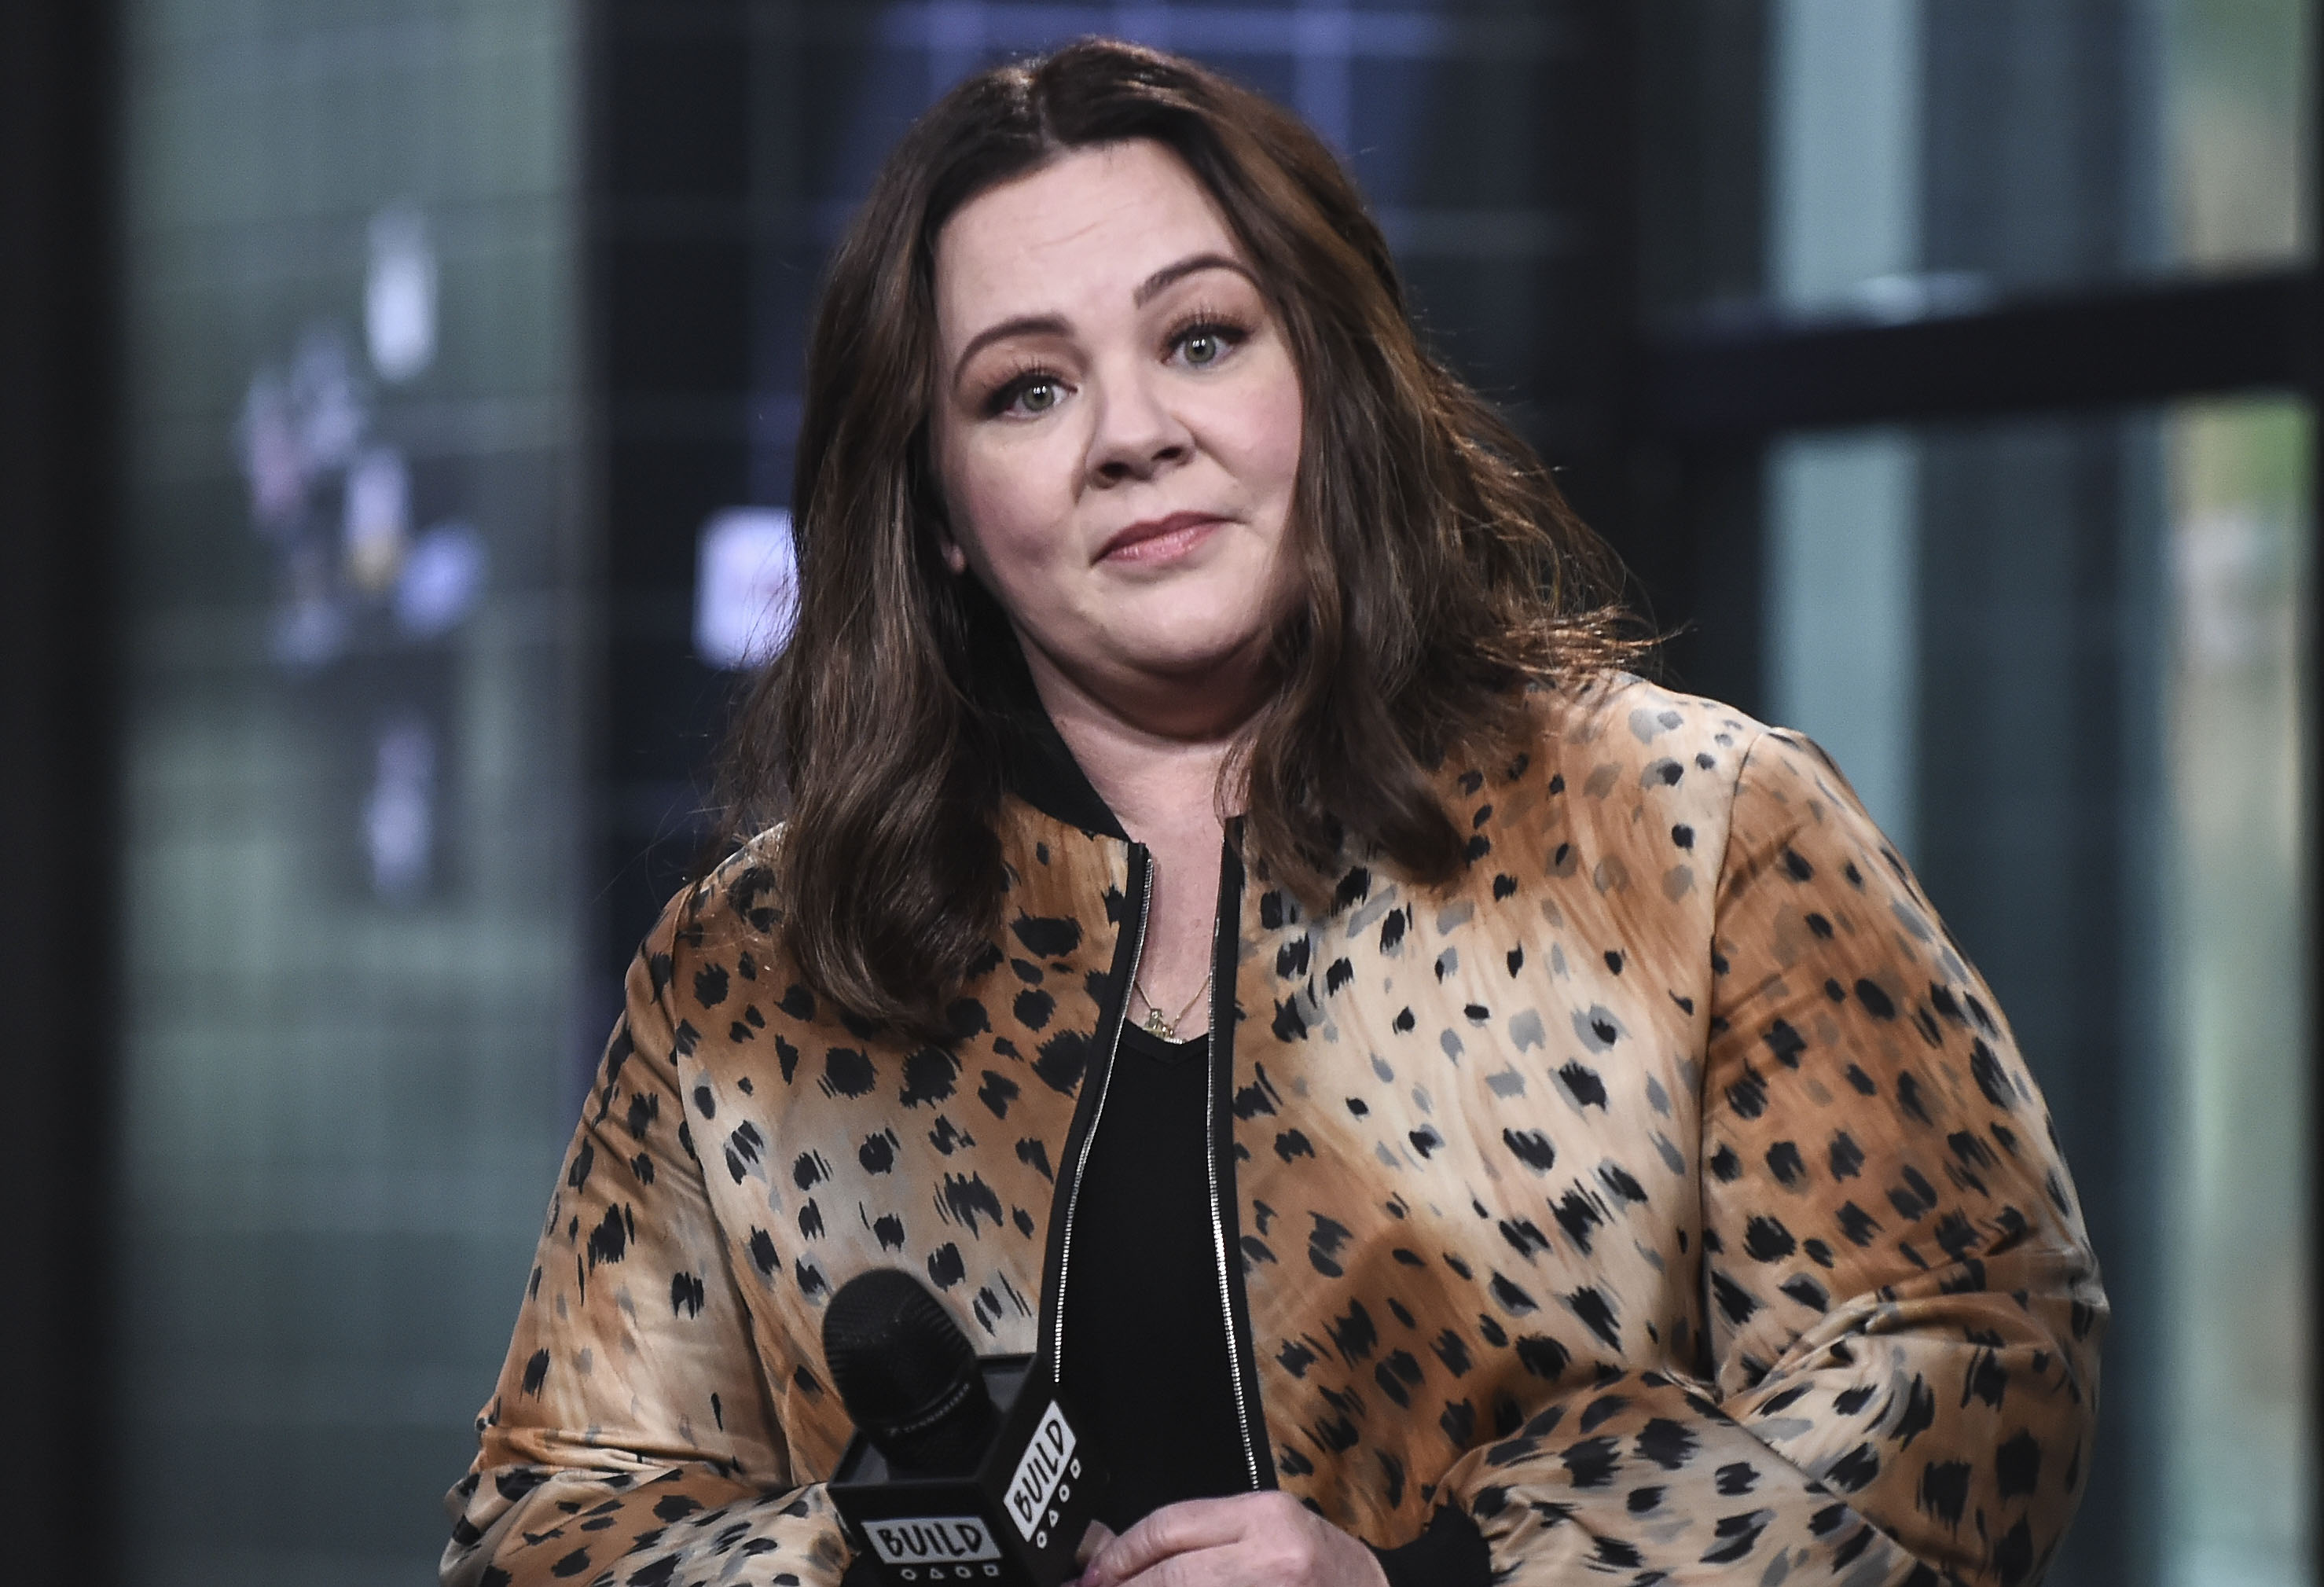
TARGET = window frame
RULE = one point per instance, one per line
(1704, 399)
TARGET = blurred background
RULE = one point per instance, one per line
(397, 400)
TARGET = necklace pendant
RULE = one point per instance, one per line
(1155, 1025)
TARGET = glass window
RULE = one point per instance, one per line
(1842, 580)
(1890, 159)
(2235, 947)
(348, 893)
(2065, 659)
(2238, 105)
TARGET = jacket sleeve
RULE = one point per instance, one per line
(632, 1438)
(1902, 1310)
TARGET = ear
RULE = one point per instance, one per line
(928, 499)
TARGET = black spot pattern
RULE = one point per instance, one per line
(1541, 1181)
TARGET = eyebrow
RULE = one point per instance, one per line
(1024, 325)
(1149, 288)
(1052, 324)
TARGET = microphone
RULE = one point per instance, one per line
(907, 1375)
(962, 1468)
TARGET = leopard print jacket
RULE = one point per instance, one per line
(1666, 1195)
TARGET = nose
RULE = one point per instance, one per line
(1135, 436)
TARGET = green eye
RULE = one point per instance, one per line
(1039, 397)
(1203, 347)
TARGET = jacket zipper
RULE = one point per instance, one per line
(1138, 858)
(1220, 1058)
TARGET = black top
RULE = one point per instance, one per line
(1146, 1361)
(1147, 1364)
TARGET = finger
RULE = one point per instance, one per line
(1098, 1535)
(1173, 1529)
(1228, 1565)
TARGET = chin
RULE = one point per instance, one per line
(1188, 648)
(1214, 615)
(1156, 654)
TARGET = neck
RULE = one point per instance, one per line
(1160, 774)
(1156, 763)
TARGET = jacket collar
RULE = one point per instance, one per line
(1037, 766)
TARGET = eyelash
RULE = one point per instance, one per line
(1229, 328)
(1015, 384)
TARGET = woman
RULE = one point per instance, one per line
(1548, 1131)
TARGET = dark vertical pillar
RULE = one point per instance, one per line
(2043, 695)
(1695, 547)
(56, 835)
(2040, 721)
(670, 214)
(2031, 152)
(2312, 349)
(1579, 391)
(1691, 532)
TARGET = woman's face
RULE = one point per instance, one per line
(1117, 432)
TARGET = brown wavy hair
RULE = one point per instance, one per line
(1441, 570)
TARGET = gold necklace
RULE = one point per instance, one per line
(1157, 1023)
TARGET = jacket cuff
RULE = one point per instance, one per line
(1451, 1552)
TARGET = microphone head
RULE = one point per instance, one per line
(906, 1374)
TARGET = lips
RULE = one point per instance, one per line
(1156, 538)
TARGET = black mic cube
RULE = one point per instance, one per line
(1017, 1521)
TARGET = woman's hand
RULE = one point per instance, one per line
(1250, 1540)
